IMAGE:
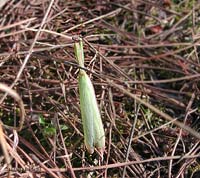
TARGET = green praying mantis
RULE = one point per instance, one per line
(94, 135)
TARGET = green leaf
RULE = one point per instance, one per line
(42, 121)
(49, 131)
(64, 127)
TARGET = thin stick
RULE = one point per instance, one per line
(95, 19)
(17, 23)
(117, 165)
(65, 149)
(17, 98)
(163, 115)
(4, 149)
(30, 50)
(130, 139)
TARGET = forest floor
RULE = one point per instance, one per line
(143, 60)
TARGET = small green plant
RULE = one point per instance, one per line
(47, 128)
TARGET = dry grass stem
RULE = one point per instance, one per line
(138, 54)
